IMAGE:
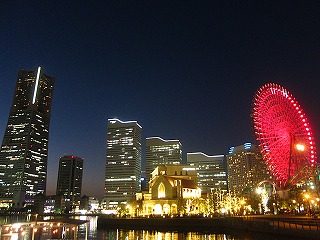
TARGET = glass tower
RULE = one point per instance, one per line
(161, 152)
(212, 171)
(123, 161)
(24, 149)
(246, 168)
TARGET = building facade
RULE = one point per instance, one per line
(24, 149)
(161, 152)
(69, 183)
(89, 204)
(173, 190)
(212, 172)
(123, 161)
(246, 168)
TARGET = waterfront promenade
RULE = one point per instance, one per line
(62, 228)
(302, 227)
(289, 227)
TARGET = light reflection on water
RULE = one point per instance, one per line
(120, 234)
(154, 235)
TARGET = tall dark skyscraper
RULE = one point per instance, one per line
(123, 161)
(24, 150)
(69, 182)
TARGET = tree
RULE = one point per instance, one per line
(181, 205)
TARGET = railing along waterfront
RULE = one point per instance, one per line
(302, 223)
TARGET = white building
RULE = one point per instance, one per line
(212, 172)
(161, 152)
(123, 161)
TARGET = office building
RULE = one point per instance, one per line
(24, 149)
(161, 152)
(246, 168)
(123, 161)
(211, 170)
(69, 183)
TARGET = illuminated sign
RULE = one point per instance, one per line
(36, 86)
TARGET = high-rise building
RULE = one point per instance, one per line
(123, 161)
(161, 152)
(24, 150)
(211, 170)
(69, 181)
(246, 168)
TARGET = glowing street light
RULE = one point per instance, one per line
(242, 203)
(300, 147)
(307, 196)
(259, 191)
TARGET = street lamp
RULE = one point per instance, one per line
(294, 205)
(242, 203)
(264, 197)
(258, 191)
(300, 147)
(307, 196)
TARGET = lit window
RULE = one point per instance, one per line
(161, 191)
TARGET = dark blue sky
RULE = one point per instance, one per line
(184, 70)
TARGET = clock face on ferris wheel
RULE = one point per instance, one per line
(284, 134)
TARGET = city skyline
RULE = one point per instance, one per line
(183, 71)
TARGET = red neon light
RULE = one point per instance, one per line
(279, 123)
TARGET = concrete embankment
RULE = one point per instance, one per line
(214, 225)
(182, 224)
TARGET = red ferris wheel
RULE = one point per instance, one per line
(284, 135)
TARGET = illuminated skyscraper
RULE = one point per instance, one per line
(161, 152)
(246, 168)
(69, 181)
(123, 161)
(211, 170)
(24, 150)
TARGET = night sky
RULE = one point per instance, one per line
(184, 70)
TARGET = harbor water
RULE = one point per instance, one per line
(120, 234)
